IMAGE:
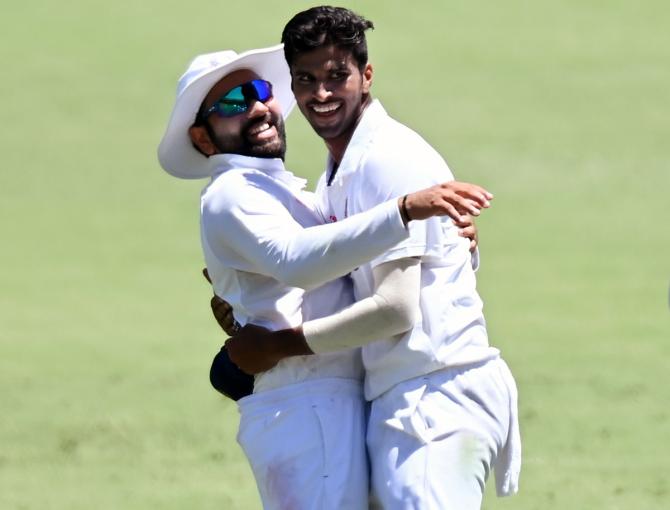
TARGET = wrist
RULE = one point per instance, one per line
(292, 342)
(404, 212)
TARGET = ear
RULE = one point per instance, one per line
(367, 78)
(201, 140)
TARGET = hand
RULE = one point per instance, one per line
(468, 229)
(223, 312)
(255, 349)
(252, 349)
(454, 199)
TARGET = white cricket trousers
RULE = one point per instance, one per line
(305, 443)
(433, 440)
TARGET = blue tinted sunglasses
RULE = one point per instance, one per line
(237, 100)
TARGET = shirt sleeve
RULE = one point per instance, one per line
(392, 309)
(391, 172)
(254, 231)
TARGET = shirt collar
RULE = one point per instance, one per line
(373, 117)
(274, 167)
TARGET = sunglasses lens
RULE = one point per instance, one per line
(232, 103)
(229, 108)
(234, 95)
(262, 89)
(237, 100)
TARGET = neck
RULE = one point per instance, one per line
(337, 146)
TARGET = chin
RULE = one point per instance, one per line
(274, 149)
(271, 148)
(327, 131)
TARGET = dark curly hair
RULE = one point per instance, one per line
(323, 26)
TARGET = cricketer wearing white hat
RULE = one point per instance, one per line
(176, 152)
(264, 243)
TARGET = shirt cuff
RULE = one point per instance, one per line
(395, 215)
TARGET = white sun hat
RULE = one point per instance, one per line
(176, 153)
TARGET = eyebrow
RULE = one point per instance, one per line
(331, 66)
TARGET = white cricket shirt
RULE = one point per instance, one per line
(264, 241)
(385, 160)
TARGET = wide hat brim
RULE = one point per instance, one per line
(176, 153)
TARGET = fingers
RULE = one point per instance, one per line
(219, 306)
(454, 199)
(464, 196)
(471, 234)
(223, 313)
(228, 326)
(451, 211)
(246, 350)
(471, 207)
(468, 232)
(467, 221)
(477, 198)
(478, 193)
(230, 345)
(481, 195)
(235, 350)
(472, 192)
(464, 205)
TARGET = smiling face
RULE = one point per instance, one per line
(258, 132)
(331, 92)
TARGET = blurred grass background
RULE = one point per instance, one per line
(561, 109)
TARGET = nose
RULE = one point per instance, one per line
(257, 109)
(321, 93)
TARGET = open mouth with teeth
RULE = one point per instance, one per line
(325, 108)
(261, 132)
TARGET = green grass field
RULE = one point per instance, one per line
(559, 108)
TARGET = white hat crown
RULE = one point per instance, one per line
(202, 64)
